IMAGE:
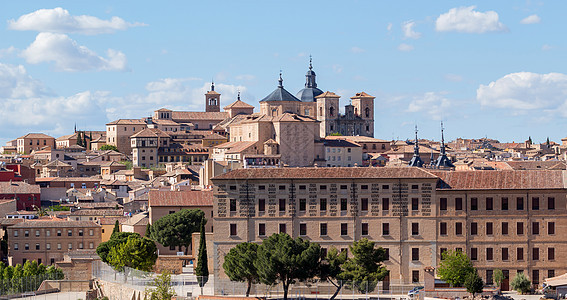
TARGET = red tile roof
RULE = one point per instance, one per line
(308, 173)
(183, 116)
(18, 187)
(180, 198)
(50, 223)
(507, 180)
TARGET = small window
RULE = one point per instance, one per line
(489, 203)
(70, 246)
(474, 228)
(262, 205)
(386, 229)
(520, 254)
(37, 233)
(364, 187)
(443, 228)
(233, 187)
(550, 253)
(343, 204)
(386, 204)
(15, 233)
(323, 205)
(489, 228)
(302, 205)
(26, 233)
(283, 228)
(281, 187)
(323, 187)
(520, 203)
(282, 205)
(414, 254)
(302, 229)
(489, 254)
(323, 229)
(458, 228)
(364, 204)
(520, 228)
(535, 203)
(443, 204)
(364, 230)
(474, 203)
(232, 205)
(58, 246)
(414, 204)
(414, 228)
(233, 229)
(504, 203)
(344, 229)
(48, 246)
(474, 254)
(550, 203)
(505, 254)
(535, 228)
(91, 232)
(535, 254)
(504, 228)
(261, 229)
(80, 232)
(550, 228)
(458, 203)
(16, 247)
(385, 187)
(69, 232)
(415, 276)
(262, 187)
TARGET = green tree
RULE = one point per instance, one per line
(498, 277)
(104, 248)
(473, 283)
(239, 264)
(331, 269)
(281, 258)
(116, 228)
(40, 211)
(365, 267)
(148, 231)
(454, 268)
(202, 270)
(177, 229)
(137, 253)
(162, 288)
(55, 273)
(547, 142)
(108, 147)
(521, 283)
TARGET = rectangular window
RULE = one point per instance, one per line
(343, 204)
(551, 203)
(386, 204)
(262, 205)
(48, 232)
(323, 205)
(48, 246)
(474, 203)
(414, 228)
(26, 247)
(458, 228)
(281, 187)
(302, 229)
(58, 246)
(414, 254)
(91, 232)
(550, 253)
(489, 277)
(37, 233)
(535, 203)
(505, 254)
(443, 204)
(520, 228)
(302, 205)
(323, 229)
(282, 205)
(504, 228)
(364, 204)
(233, 229)
(385, 187)
(16, 247)
(550, 273)
(550, 228)
(489, 203)
(535, 228)
(442, 252)
(414, 204)
(91, 245)
(474, 254)
(364, 230)
(489, 254)
(262, 187)
(36, 246)
(15, 233)
(489, 228)
(415, 276)
(261, 229)
(535, 254)
(443, 228)
(323, 187)
(535, 277)
(520, 203)
(458, 203)
(385, 228)
(344, 229)
(283, 228)
(70, 246)
(387, 253)
(504, 203)
(26, 233)
(520, 254)
(474, 228)
(69, 232)
(232, 205)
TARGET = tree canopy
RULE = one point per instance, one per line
(331, 269)
(239, 264)
(473, 283)
(118, 238)
(521, 283)
(283, 259)
(176, 229)
(162, 288)
(108, 147)
(137, 253)
(454, 268)
(365, 268)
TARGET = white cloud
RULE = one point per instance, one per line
(466, 19)
(533, 19)
(16, 83)
(389, 27)
(59, 20)
(431, 103)
(546, 47)
(357, 50)
(453, 77)
(525, 91)
(7, 51)
(245, 77)
(67, 55)
(405, 47)
(407, 28)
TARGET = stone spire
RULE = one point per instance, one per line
(416, 160)
(310, 76)
(443, 162)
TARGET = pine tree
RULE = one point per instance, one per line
(116, 228)
(202, 270)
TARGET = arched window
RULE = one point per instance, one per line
(320, 111)
(356, 111)
(367, 112)
(274, 112)
(332, 111)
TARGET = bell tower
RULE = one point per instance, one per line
(212, 100)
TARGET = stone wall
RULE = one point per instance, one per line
(120, 291)
(171, 263)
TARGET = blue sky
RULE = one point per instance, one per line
(485, 68)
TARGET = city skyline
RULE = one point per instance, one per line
(485, 69)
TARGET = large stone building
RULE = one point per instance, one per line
(511, 220)
(34, 142)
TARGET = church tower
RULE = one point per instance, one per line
(328, 113)
(212, 100)
(364, 107)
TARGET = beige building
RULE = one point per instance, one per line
(145, 145)
(341, 153)
(34, 142)
(510, 220)
(118, 133)
(47, 241)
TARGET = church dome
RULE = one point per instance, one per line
(310, 91)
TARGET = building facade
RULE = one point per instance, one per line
(511, 220)
(34, 142)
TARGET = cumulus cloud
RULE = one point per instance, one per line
(409, 32)
(27, 106)
(405, 47)
(59, 20)
(431, 103)
(533, 19)
(67, 55)
(468, 20)
(525, 91)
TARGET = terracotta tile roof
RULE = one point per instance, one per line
(97, 212)
(215, 136)
(188, 116)
(328, 94)
(150, 132)
(112, 220)
(356, 139)
(36, 136)
(238, 104)
(485, 180)
(180, 198)
(166, 122)
(50, 223)
(127, 122)
(99, 205)
(18, 187)
(362, 95)
(537, 165)
(309, 173)
(340, 143)
(57, 163)
(66, 137)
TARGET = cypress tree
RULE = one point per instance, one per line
(116, 228)
(202, 270)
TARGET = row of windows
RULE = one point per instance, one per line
(21, 142)
(323, 204)
(323, 229)
(505, 253)
(80, 245)
(489, 228)
(324, 187)
(59, 232)
(504, 203)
